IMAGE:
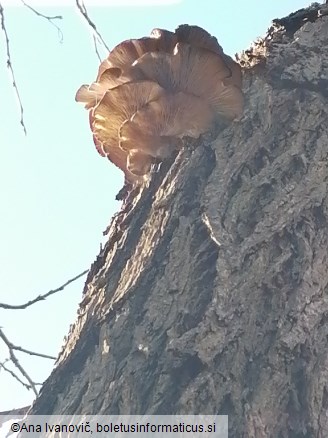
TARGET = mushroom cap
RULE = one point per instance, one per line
(119, 157)
(116, 68)
(111, 78)
(151, 92)
(118, 105)
(128, 98)
(125, 53)
(92, 94)
(198, 37)
(199, 72)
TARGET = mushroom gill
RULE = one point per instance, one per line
(151, 92)
(172, 116)
(195, 71)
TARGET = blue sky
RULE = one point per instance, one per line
(57, 193)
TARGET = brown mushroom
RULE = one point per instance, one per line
(120, 158)
(125, 53)
(118, 105)
(115, 70)
(155, 126)
(151, 92)
(91, 95)
(195, 71)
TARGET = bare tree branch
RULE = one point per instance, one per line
(26, 380)
(12, 346)
(48, 18)
(83, 11)
(32, 353)
(42, 297)
(10, 67)
(15, 361)
(14, 375)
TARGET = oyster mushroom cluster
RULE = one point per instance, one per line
(153, 91)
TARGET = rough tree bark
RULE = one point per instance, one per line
(211, 294)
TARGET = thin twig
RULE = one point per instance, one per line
(15, 361)
(12, 346)
(44, 296)
(10, 67)
(83, 11)
(96, 47)
(14, 375)
(32, 353)
(48, 18)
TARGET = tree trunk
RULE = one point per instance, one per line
(211, 294)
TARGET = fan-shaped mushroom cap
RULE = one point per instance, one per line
(118, 105)
(197, 72)
(128, 51)
(115, 70)
(198, 37)
(151, 92)
(189, 69)
(110, 78)
(118, 63)
(128, 98)
(125, 53)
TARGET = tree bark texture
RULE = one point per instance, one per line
(211, 295)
